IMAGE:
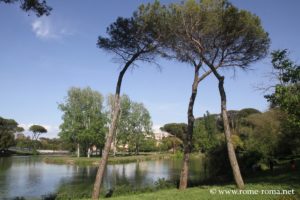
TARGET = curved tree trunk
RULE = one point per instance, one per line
(111, 132)
(189, 135)
(230, 149)
(231, 153)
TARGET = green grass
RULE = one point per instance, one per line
(213, 193)
(208, 192)
(111, 160)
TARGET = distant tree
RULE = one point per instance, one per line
(170, 143)
(149, 144)
(246, 112)
(84, 119)
(134, 124)
(264, 134)
(130, 39)
(40, 8)
(122, 132)
(19, 133)
(20, 129)
(7, 129)
(205, 133)
(178, 132)
(176, 129)
(36, 130)
(140, 126)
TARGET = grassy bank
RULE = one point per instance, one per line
(215, 193)
(111, 160)
(263, 185)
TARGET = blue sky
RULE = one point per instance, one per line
(41, 58)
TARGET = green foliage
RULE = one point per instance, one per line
(135, 38)
(53, 144)
(170, 142)
(40, 8)
(83, 118)
(205, 133)
(287, 92)
(24, 142)
(7, 129)
(37, 129)
(20, 129)
(148, 145)
(134, 126)
(140, 126)
(216, 32)
(286, 97)
(265, 133)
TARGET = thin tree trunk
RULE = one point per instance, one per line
(111, 132)
(230, 149)
(78, 150)
(189, 135)
(115, 145)
(173, 146)
(231, 153)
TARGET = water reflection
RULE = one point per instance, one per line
(30, 177)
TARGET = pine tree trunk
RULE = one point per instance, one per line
(111, 132)
(189, 135)
(231, 153)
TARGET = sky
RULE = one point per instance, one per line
(41, 58)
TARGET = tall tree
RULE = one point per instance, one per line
(211, 34)
(83, 119)
(177, 45)
(223, 36)
(131, 40)
(40, 8)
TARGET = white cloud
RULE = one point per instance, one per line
(44, 29)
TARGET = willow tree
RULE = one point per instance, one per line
(131, 40)
(221, 36)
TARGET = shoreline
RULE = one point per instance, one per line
(70, 160)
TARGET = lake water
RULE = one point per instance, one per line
(31, 178)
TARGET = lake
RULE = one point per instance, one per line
(30, 177)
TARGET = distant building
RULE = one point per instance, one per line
(20, 136)
(159, 135)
